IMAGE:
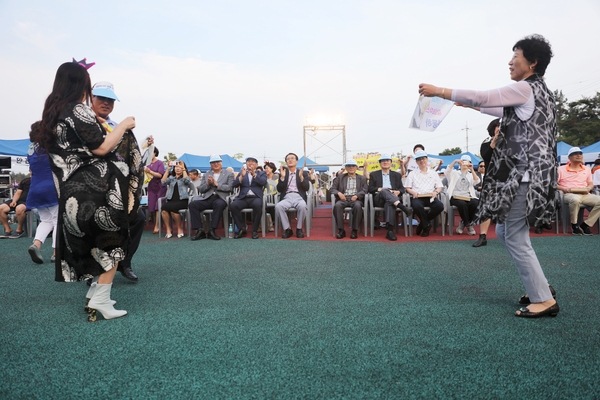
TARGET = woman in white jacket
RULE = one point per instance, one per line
(461, 190)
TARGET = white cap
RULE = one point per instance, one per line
(105, 89)
(574, 150)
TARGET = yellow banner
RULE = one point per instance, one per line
(373, 163)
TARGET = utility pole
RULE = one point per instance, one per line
(466, 129)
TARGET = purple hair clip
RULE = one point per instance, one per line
(84, 64)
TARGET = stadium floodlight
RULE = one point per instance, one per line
(323, 120)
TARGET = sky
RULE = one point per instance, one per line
(206, 77)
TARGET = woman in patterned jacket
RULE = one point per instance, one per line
(97, 175)
(518, 190)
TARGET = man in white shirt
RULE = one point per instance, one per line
(424, 185)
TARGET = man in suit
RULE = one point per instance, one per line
(350, 190)
(251, 183)
(386, 187)
(215, 188)
(293, 185)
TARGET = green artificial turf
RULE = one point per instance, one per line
(286, 319)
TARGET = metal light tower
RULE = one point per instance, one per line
(325, 124)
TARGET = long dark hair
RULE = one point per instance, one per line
(71, 83)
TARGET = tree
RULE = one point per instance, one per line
(451, 152)
(170, 157)
(238, 156)
(578, 122)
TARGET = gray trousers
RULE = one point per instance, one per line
(291, 200)
(514, 235)
(357, 213)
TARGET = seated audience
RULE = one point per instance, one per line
(251, 182)
(424, 185)
(409, 166)
(461, 189)
(386, 187)
(293, 186)
(196, 178)
(442, 174)
(17, 205)
(350, 190)
(271, 189)
(575, 180)
(214, 190)
(179, 188)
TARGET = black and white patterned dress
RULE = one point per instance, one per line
(523, 146)
(97, 195)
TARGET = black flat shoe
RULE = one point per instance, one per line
(299, 233)
(254, 235)
(426, 230)
(240, 234)
(390, 236)
(482, 241)
(551, 311)
(525, 299)
(354, 234)
(341, 234)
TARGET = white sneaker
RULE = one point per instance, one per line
(470, 230)
(460, 228)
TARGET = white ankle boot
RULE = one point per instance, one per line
(90, 294)
(101, 301)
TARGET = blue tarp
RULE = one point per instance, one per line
(562, 148)
(592, 148)
(14, 147)
(309, 162)
(201, 162)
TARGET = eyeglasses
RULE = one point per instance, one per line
(481, 166)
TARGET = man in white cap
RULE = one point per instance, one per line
(251, 183)
(424, 185)
(103, 102)
(350, 190)
(215, 188)
(386, 187)
(575, 180)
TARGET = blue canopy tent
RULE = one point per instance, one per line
(590, 153)
(592, 148)
(201, 162)
(14, 147)
(309, 162)
(562, 148)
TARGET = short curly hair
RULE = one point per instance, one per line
(536, 48)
